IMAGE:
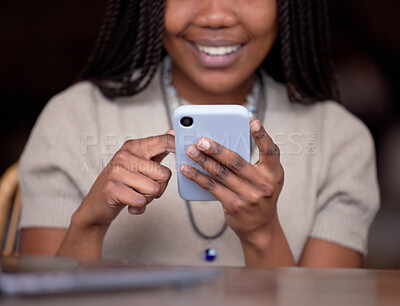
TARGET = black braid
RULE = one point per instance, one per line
(124, 29)
(305, 51)
(332, 77)
(150, 39)
(103, 37)
(129, 49)
(313, 45)
(158, 43)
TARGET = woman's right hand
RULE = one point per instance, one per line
(133, 178)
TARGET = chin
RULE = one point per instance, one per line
(218, 89)
(218, 85)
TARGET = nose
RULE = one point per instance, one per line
(215, 14)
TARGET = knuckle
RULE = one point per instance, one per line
(217, 149)
(125, 159)
(194, 175)
(268, 189)
(120, 156)
(273, 150)
(162, 189)
(231, 211)
(236, 206)
(209, 184)
(237, 162)
(155, 189)
(115, 171)
(147, 155)
(255, 198)
(132, 145)
(260, 134)
(128, 144)
(109, 191)
(140, 201)
(166, 173)
(222, 173)
(203, 159)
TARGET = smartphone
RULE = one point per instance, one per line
(226, 124)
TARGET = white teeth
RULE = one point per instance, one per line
(218, 51)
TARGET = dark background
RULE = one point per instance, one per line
(44, 45)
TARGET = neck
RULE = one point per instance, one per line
(190, 91)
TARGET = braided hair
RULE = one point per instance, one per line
(129, 48)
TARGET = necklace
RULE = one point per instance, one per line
(172, 101)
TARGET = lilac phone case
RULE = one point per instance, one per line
(225, 124)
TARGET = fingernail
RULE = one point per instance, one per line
(256, 126)
(184, 169)
(204, 144)
(132, 210)
(193, 151)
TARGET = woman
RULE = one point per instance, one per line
(78, 173)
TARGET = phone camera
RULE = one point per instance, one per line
(187, 121)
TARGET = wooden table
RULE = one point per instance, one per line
(240, 286)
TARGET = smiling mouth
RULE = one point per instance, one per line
(216, 54)
(218, 50)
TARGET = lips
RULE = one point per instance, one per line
(216, 53)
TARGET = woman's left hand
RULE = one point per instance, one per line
(248, 193)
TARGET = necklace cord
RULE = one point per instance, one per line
(197, 230)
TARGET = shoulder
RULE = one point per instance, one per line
(330, 119)
(79, 97)
(86, 96)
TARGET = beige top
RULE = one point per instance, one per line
(330, 190)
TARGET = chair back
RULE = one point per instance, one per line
(10, 209)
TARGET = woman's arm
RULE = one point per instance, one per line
(323, 254)
(82, 240)
(41, 241)
(133, 178)
(317, 254)
(83, 243)
(119, 185)
(249, 194)
(271, 249)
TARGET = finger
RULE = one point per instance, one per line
(269, 151)
(136, 211)
(155, 171)
(217, 170)
(230, 159)
(163, 186)
(151, 147)
(120, 194)
(223, 194)
(159, 158)
(137, 181)
(149, 168)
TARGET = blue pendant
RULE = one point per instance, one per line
(210, 254)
